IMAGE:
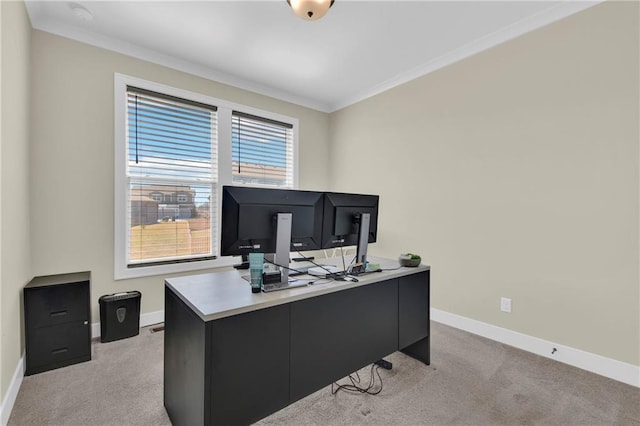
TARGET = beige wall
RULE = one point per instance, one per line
(515, 173)
(3, 387)
(72, 157)
(14, 184)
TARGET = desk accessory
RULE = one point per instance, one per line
(256, 268)
(410, 259)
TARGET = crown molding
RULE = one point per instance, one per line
(528, 24)
(40, 23)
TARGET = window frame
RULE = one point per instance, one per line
(224, 112)
(251, 135)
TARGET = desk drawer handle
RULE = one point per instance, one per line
(59, 351)
(58, 313)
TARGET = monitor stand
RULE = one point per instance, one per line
(244, 264)
(360, 265)
(283, 244)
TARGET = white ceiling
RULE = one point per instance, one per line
(358, 49)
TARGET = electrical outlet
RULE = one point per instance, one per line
(505, 304)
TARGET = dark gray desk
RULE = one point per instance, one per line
(233, 357)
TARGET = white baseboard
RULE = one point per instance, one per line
(12, 392)
(611, 368)
(145, 320)
(10, 398)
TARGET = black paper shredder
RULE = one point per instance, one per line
(119, 315)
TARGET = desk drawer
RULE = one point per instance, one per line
(57, 346)
(59, 304)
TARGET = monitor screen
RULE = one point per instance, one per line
(249, 219)
(341, 218)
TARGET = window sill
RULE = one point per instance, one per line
(148, 271)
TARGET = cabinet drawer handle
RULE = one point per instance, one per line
(59, 351)
(58, 313)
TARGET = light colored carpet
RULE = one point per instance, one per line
(471, 381)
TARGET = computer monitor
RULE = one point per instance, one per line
(270, 221)
(350, 219)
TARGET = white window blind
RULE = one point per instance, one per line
(262, 151)
(172, 176)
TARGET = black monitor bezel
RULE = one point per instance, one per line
(335, 205)
(233, 197)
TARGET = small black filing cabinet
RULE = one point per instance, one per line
(57, 311)
(119, 315)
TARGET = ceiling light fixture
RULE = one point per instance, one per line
(310, 10)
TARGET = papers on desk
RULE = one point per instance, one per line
(323, 270)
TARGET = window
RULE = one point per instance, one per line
(262, 151)
(171, 147)
(174, 151)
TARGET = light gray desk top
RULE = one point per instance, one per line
(223, 294)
